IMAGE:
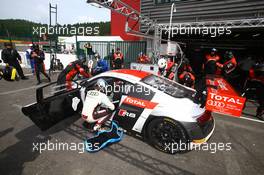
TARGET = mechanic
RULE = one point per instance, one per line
(39, 57)
(29, 58)
(8, 73)
(101, 66)
(260, 98)
(72, 69)
(97, 108)
(143, 58)
(11, 57)
(212, 62)
(118, 61)
(165, 67)
(256, 74)
(186, 74)
(229, 64)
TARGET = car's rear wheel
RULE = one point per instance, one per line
(167, 135)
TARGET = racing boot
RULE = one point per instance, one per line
(97, 127)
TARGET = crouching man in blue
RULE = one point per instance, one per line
(102, 65)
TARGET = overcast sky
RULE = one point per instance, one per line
(69, 11)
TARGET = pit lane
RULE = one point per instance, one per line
(130, 156)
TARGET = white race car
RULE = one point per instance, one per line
(156, 109)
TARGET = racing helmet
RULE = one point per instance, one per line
(162, 63)
(90, 64)
(188, 81)
(229, 55)
(101, 85)
(96, 55)
(213, 50)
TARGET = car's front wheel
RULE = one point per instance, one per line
(167, 135)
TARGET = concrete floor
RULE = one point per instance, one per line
(130, 156)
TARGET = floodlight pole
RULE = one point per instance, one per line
(173, 9)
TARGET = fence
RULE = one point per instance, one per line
(130, 49)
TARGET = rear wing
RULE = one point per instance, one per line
(222, 98)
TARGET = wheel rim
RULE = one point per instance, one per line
(165, 133)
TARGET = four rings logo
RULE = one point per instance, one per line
(216, 103)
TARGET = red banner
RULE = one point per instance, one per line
(222, 98)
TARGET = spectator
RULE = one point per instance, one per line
(11, 57)
(89, 51)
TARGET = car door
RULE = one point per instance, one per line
(48, 111)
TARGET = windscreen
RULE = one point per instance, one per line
(169, 87)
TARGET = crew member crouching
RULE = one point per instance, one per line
(97, 108)
(186, 74)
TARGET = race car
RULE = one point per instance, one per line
(158, 110)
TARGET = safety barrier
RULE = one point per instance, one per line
(130, 49)
(64, 58)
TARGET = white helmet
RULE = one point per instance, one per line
(162, 63)
(90, 64)
(101, 84)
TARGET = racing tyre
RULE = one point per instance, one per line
(167, 135)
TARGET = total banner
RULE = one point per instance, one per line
(222, 98)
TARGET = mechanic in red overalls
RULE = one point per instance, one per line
(229, 65)
(118, 60)
(74, 68)
(212, 62)
(143, 59)
(256, 74)
(186, 74)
